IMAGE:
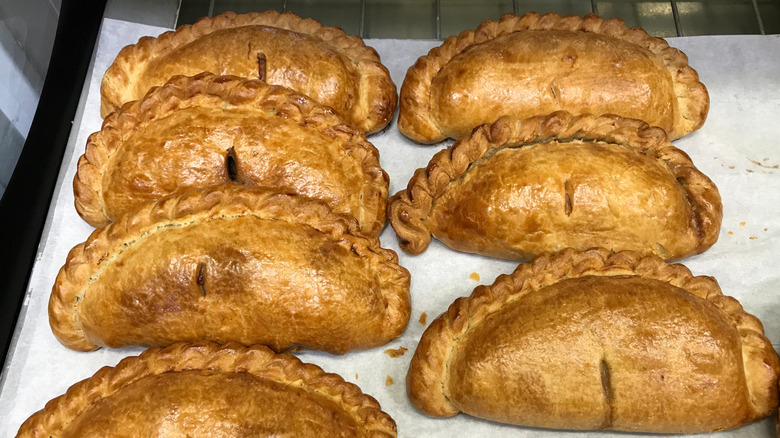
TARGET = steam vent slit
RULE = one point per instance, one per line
(261, 66)
(609, 396)
(230, 162)
(568, 194)
(200, 278)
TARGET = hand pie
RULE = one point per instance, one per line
(208, 390)
(597, 340)
(231, 264)
(209, 130)
(516, 189)
(325, 63)
(536, 64)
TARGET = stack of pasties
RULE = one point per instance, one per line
(238, 200)
(563, 126)
(217, 195)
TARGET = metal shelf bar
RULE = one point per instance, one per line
(758, 17)
(362, 19)
(437, 22)
(676, 15)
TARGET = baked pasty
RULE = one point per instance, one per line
(231, 264)
(325, 63)
(536, 64)
(209, 130)
(597, 340)
(208, 390)
(516, 189)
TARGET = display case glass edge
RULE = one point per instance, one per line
(25, 203)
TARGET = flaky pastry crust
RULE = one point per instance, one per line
(92, 184)
(257, 361)
(418, 115)
(429, 372)
(410, 210)
(371, 110)
(88, 261)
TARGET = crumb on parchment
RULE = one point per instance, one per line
(731, 233)
(424, 318)
(474, 276)
(753, 237)
(388, 381)
(742, 224)
(356, 376)
(396, 352)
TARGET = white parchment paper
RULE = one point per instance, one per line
(737, 147)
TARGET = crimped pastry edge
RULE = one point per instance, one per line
(258, 360)
(375, 106)
(197, 206)
(429, 369)
(208, 89)
(408, 208)
(416, 121)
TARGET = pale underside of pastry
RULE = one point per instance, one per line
(520, 188)
(598, 340)
(536, 64)
(325, 63)
(210, 390)
(231, 264)
(204, 131)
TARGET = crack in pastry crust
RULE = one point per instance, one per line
(418, 121)
(428, 377)
(88, 260)
(409, 209)
(372, 111)
(207, 90)
(258, 361)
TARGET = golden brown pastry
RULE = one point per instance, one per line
(208, 390)
(231, 264)
(536, 64)
(325, 63)
(519, 188)
(210, 130)
(598, 340)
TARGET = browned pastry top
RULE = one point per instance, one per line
(598, 340)
(537, 64)
(209, 130)
(208, 390)
(519, 188)
(231, 264)
(325, 63)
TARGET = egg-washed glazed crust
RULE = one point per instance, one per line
(258, 360)
(377, 93)
(429, 372)
(219, 92)
(417, 121)
(86, 261)
(409, 208)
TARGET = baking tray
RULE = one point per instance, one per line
(736, 148)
